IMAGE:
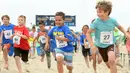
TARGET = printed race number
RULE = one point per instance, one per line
(106, 37)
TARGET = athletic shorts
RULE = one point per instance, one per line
(42, 46)
(68, 56)
(7, 45)
(104, 52)
(21, 53)
(86, 51)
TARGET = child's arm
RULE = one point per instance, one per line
(89, 38)
(123, 30)
(62, 38)
(74, 35)
(25, 34)
(47, 43)
(24, 37)
(35, 39)
(67, 35)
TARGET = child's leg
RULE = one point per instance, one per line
(111, 59)
(85, 54)
(70, 68)
(5, 55)
(99, 57)
(17, 59)
(24, 57)
(68, 59)
(48, 56)
(94, 62)
(86, 60)
(42, 53)
(60, 61)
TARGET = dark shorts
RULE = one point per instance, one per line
(86, 51)
(75, 47)
(21, 53)
(104, 52)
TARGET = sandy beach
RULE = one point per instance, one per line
(36, 66)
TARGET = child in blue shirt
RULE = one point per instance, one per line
(6, 31)
(63, 38)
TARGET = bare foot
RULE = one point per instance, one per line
(6, 66)
(41, 59)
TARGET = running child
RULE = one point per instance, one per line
(104, 34)
(42, 35)
(32, 35)
(75, 43)
(63, 38)
(21, 45)
(85, 45)
(6, 33)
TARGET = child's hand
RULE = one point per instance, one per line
(86, 45)
(58, 38)
(94, 49)
(46, 47)
(17, 34)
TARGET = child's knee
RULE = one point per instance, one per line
(70, 68)
(5, 48)
(17, 57)
(111, 61)
(60, 60)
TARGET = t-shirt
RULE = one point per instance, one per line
(104, 32)
(23, 42)
(62, 31)
(82, 37)
(42, 36)
(7, 33)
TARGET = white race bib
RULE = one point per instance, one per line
(61, 44)
(16, 40)
(8, 34)
(43, 39)
(106, 37)
(88, 45)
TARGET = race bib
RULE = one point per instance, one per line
(8, 34)
(16, 40)
(43, 39)
(88, 45)
(106, 37)
(61, 44)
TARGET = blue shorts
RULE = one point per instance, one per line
(68, 56)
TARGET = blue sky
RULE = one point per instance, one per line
(83, 9)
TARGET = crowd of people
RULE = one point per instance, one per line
(100, 40)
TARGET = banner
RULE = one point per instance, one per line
(50, 19)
